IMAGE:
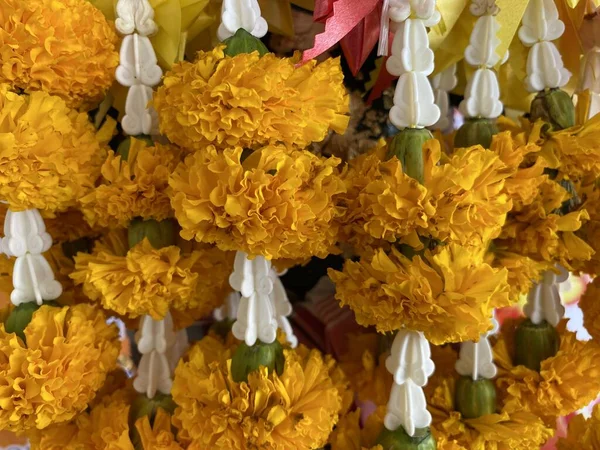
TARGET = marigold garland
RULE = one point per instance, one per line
(276, 203)
(63, 47)
(132, 187)
(251, 101)
(296, 410)
(566, 382)
(56, 374)
(390, 291)
(50, 156)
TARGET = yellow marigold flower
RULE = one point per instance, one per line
(590, 304)
(294, 411)
(145, 280)
(50, 155)
(348, 434)
(566, 382)
(537, 231)
(251, 101)
(132, 187)
(575, 151)
(462, 198)
(583, 434)
(522, 186)
(390, 291)
(507, 430)
(523, 271)
(381, 202)
(63, 47)
(467, 193)
(276, 203)
(53, 377)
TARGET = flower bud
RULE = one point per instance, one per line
(160, 234)
(407, 146)
(476, 132)
(123, 148)
(555, 107)
(247, 359)
(143, 406)
(400, 440)
(535, 343)
(244, 42)
(19, 318)
(474, 398)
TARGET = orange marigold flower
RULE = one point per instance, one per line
(276, 203)
(63, 47)
(251, 101)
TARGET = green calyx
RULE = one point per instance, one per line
(407, 146)
(160, 234)
(21, 316)
(474, 398)
(400, 440)
(247, 359)
(555, 107)
(476, 132)
(123, 148)
(244, 42)
(535, 343)
(143, 406)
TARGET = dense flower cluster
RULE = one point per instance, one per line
(51, 155)
(250, 101)
(54, 374)
(275, 202)
(63, 47)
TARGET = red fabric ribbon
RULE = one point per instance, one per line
(354, 22)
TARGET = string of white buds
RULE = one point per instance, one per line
(442, 83)
(138, 69)
(476, 359)
(161, 348)
(264, 305)
(540, 26)
(543, 300)
(236, 14)
(482, 94)
(411, 60)
(25, 238)
(411, 365)
(589, 75)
